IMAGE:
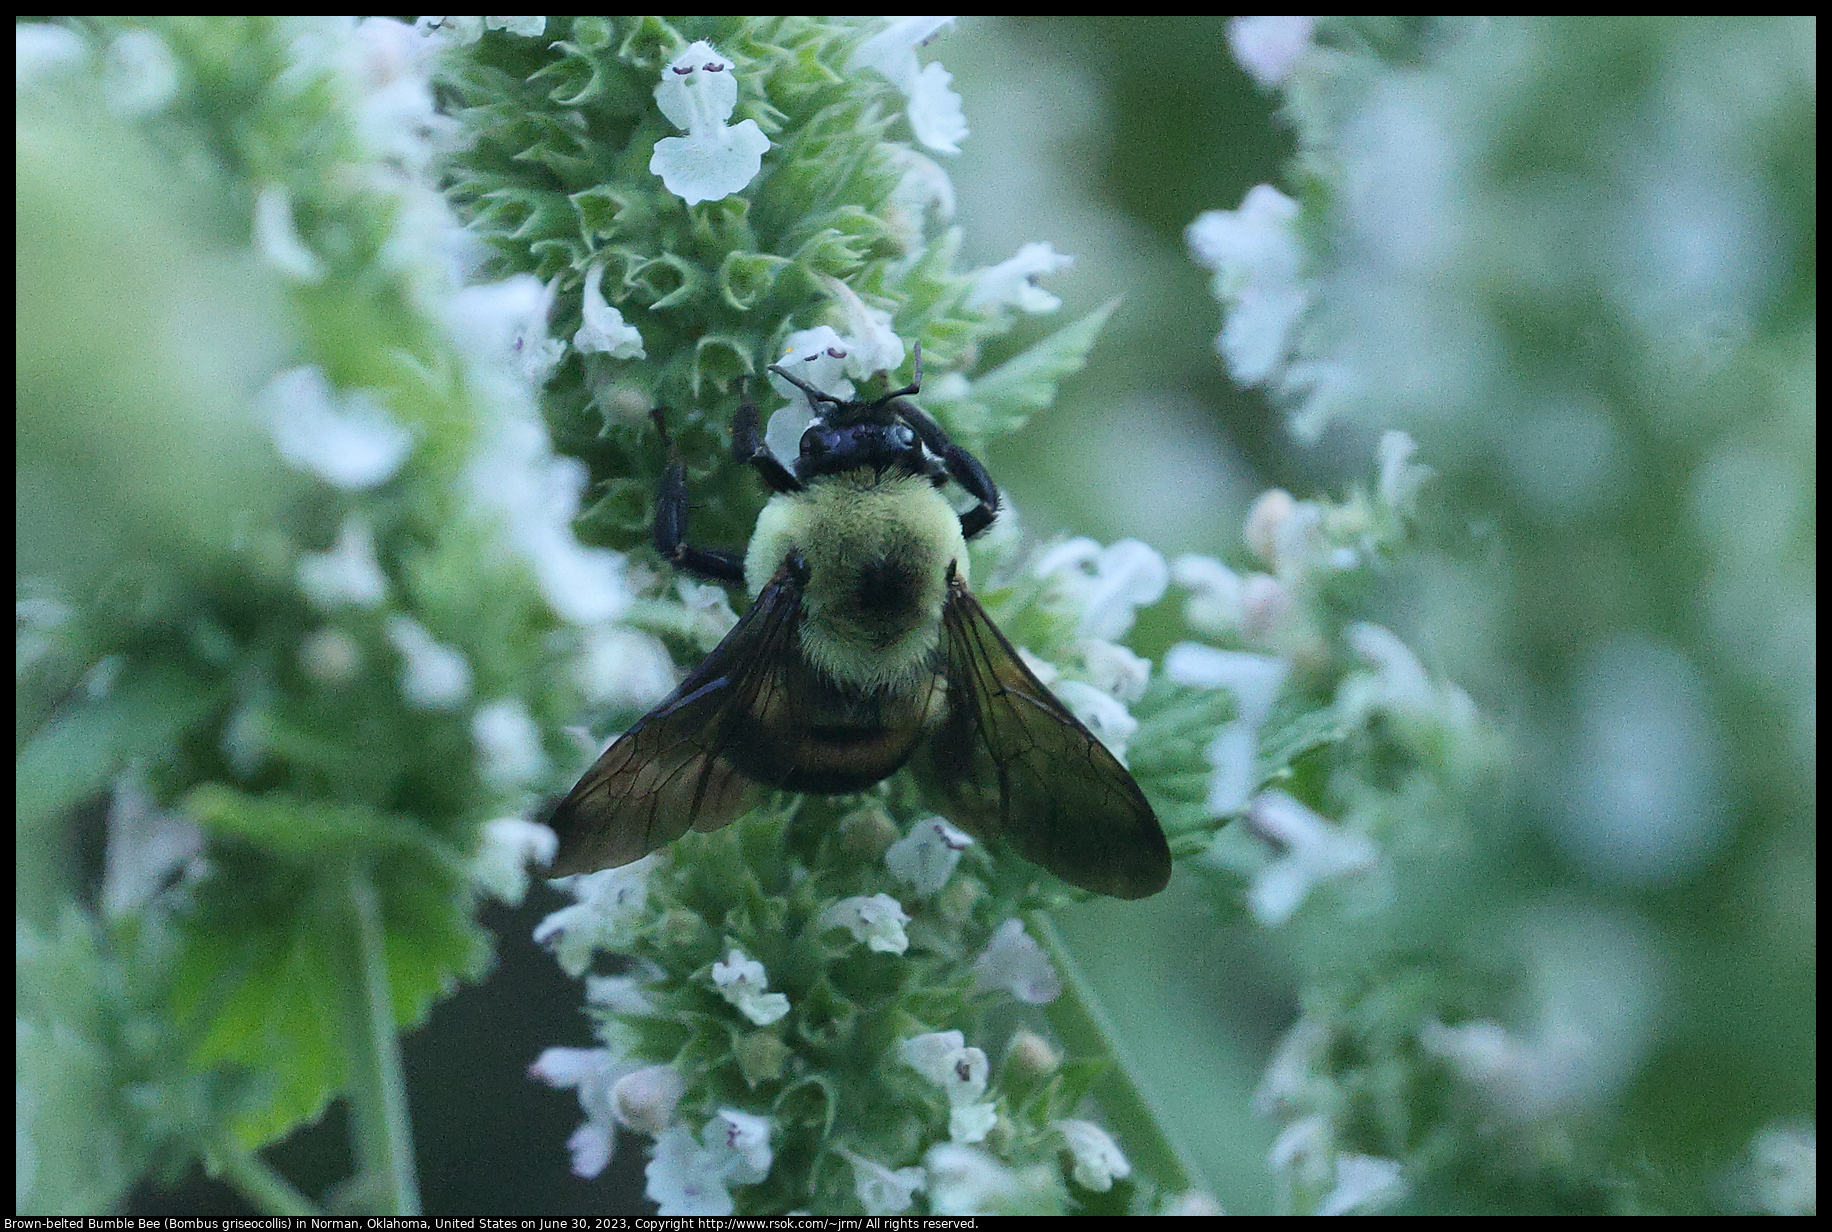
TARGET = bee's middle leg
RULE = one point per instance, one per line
(713, 564)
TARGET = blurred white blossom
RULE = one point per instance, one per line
(1256, 258)
(1269, 47)
(1015, 963)
(1013, 282)
(1098, 1158)
(349, 440)
(934, 109)
(882, 1191)
(347, 574)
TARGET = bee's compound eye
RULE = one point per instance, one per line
(901, 436)
(816, 441)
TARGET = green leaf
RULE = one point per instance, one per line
(1005, 397)
(73, 757)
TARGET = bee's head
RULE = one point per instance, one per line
(834, 444)
(848, 435)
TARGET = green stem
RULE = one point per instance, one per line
(1081, 1022)
(378, 1087)
(252, 1177)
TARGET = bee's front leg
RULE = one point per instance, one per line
(749, 448)
(962, 467)
(713, 564)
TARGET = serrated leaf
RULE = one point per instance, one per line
(73, 757)
(1027, 382)
(270, 952)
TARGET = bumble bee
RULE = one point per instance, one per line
(863, 650)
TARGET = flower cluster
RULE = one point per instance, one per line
(1536, 312)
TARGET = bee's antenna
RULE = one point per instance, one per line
(814, 395)
(914, 387)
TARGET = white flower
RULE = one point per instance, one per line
(277, 239)
(876, 920)
(139, 74)
(457, 31)
(1217, 593)
(610, 904)
(963, 1181)
(1784, 1170)
(1099, 712)
(515, 473)
(506, 322)
(146, 844)
(740, 1144)
(389, 64)
(686, 1178)
(1265, 517)
(1315, 850)
(1400, 476)
(881, 1191)
(1017, 964)
(349, 441)
(820, 357)
(872, 345)
(330, 656)
(1269, 47)
(924, 186)
(1115, 670)
(1529, 1074)
(961, 1072)
(593, 1071)
(1363, 1183)
(506, 847)
(1305, 1149)
(1256, 257)
(509, 742)
(1253, 679)
(645, 1099)
(742, 981)
(1290, 1079)
(433, 677)
(1098, 1159)
(603, 329)
(934, 109)
(623, 994)
(1399, 687)
(348, 573)
(526, 27)
(624, 668)
(709, 610)
(44, 51)
(1107, 583)
(925, 857)
(1234, 773)
(1013, 282)
(699, 92)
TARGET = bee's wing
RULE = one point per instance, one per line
(669, 771)
(1012, 761)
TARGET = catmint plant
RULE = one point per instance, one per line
(1573, 267)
